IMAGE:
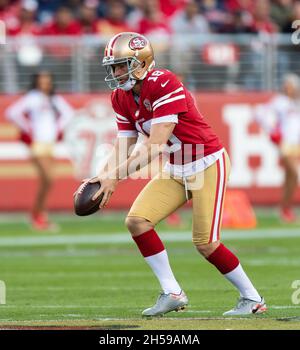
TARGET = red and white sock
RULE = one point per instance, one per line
(228, 264)
(156, 256)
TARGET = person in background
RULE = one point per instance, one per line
(9, 13)
(280, 118)
(41, 116)
(88, 16)
(153, 21)
(64, 23)
(26, 23)
(188, 21)
(281, 13)
(114, 21)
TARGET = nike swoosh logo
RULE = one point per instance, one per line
(164, 84)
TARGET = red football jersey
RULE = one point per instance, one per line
(164, 98)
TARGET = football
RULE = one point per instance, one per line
(83, 203)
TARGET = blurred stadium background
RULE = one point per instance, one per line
(232, 55)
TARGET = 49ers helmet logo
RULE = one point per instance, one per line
(137, 43)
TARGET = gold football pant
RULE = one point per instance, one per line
(164, 194)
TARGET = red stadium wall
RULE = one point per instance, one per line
(255, 162)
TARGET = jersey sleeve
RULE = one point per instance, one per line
(17, 113)
(168, 99)
(126, 127)
(268, 115)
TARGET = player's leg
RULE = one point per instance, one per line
(43, 162)
(156, 201)
(207, 215)
(290, 164)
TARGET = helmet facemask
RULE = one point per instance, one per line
(133, 66)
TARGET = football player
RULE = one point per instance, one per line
(155, 103)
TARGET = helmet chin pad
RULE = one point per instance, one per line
(128, 85)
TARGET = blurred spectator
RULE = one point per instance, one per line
(215, 13)
(263, 25)
(229, 16)
(26, 23)
(63, 23)
(170, 7)
(239, 22)
(280, 119)
(295, 15)
(262, 22)
(153, 21)
(282, 12)
(240, 16)
(239, 5)
(59, 54)
(9, 12)
(153, 24)
(114, 22)
(88, 16)
(135, 14)
(189, 20)
(41, 116)
(74, 6)
(47, 10)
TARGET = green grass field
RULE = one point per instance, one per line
(90, 274)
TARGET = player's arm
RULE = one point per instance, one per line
(120, 152)
(268, 117)
(152, 147)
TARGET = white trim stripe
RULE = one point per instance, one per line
(223, 194)
(216, 219)
(122, 122)
(119, 116)
(173, 118)
(180, 97)
(112, 41)
(121, 119)
(167, 96)
(127, 133)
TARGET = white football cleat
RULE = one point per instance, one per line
(247, 307)
(166, 303)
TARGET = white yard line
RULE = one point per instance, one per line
(124, 237)
(283, 307)
(95, 319)
(274, 307)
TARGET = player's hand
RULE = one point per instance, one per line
(82, 181)
(107, 188)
